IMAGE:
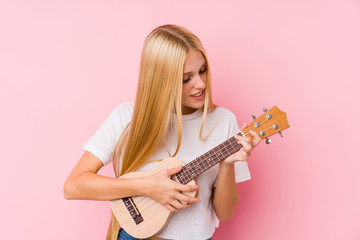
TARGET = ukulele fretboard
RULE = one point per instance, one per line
(208, 160)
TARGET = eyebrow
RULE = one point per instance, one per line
(191, 72)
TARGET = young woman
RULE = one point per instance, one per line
(173, 115)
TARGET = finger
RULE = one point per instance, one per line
(178, 205)
(172, 171)
(243, 138)
(245, 155)
(240, 155)
(245, 125)
(187, 188)
(186, 199)
(247, 139)
(257, 139)
(246, 146)
(170, 208)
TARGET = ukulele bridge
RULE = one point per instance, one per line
(133, 210)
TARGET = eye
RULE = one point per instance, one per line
(186, 79)
(203, 70)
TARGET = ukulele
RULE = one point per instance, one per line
(142, 217)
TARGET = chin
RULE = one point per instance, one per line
(190, 108)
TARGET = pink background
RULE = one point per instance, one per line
(64, 65)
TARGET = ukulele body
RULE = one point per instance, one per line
(155, 216)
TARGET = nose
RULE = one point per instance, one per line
(199, 83)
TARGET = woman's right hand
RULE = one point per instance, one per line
(84, 183)
(167, 192)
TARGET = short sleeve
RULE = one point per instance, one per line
(103, 142)
(242, 172)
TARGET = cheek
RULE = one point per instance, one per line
(185, 90)
(203, 77)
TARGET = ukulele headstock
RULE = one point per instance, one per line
(272, 121)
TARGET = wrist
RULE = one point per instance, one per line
(226, 169)
(226, 164)
(142, 186)
(135, 186)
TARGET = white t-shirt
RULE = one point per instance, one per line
(199, 221)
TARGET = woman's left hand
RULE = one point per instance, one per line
(225, 194)
(248, 145)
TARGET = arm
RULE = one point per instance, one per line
(84, 183)
(225, 194)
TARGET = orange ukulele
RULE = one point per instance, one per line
(143, 217)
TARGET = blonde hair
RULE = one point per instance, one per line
(158, 97)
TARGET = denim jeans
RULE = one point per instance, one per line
(125, 236)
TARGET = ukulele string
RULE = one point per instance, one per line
(253, 129)
(251, 136)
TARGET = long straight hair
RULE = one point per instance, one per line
(158, 98)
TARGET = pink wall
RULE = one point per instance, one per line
(66, 64)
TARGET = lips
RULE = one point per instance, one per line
(198, 94)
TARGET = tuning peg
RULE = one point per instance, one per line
(268, 140)
(264, 109)
(253, 117)
(281, 134)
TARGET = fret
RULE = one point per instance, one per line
(211, 152)
(232, 145)
(225, 148)
(187, 171)
(228, 153)
(178, 177)
(206, 156)
(216, 157)
(197, 167)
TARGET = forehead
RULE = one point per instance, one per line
(194, 61)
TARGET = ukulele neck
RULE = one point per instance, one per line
(208, 160)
